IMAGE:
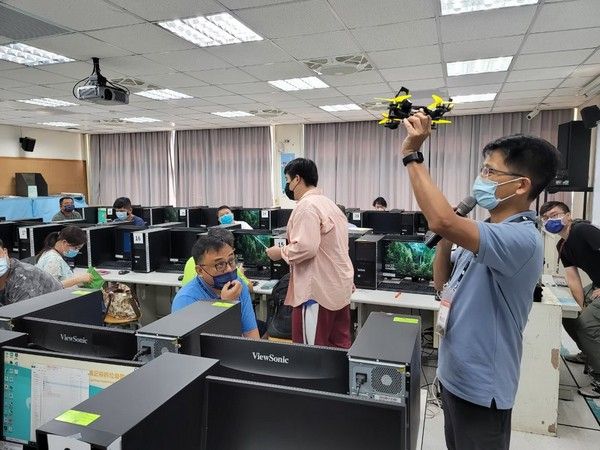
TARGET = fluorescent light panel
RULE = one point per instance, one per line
(232, 114)
(299, 84)
(336, 108)
(474, 66)
(163, 94)
(49, 102)
(30, 56)
(139, 119)
(473, 98)
(59, 124)
(465, 6)
(207, 31)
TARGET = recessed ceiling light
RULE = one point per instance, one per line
(163, 94)
(473, 98)
(207, 31)
(59, 124)
(49, 102)
(499, 64)
(299, 84)
(334, 108)
(465, 6)
(30, 56)
(232, 114)
(139, 119)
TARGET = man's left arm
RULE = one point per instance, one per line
(440, 215)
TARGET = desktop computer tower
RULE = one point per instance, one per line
(151, 248)
(89, 214)
(99, 246)
(152, 215)
(268, 219)
(191, 216)
(407, 223)
(385, 365)
(354, 216)
(156, 407)
(421, 225)
(179, 332)
(208, 216)
(367, 255)
(279, 268)
(31, 238)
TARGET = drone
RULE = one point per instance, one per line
(401, 107)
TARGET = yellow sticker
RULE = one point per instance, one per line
(223, 304)
(80, 292)
(78, 417)
(405, 320)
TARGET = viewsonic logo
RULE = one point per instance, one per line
(74, 339)
(271, 358)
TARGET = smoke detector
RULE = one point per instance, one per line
(339, 65)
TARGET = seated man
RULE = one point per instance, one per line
(21, 281)
(579, 248)
(225, 217)
(124, 213)
(217, 279)
(380, 204)
(67, 210)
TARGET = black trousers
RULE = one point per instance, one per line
(468, 426)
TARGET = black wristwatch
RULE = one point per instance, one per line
(413, 157)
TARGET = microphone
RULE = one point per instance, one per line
(463, 208)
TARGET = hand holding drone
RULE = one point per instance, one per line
(401, 107)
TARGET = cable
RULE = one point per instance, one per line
(144, 351)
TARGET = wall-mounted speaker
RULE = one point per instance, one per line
(574, 147)
(590, 116)
(27, 144)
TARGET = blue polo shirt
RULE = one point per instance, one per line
(197, 290)
(480, 354)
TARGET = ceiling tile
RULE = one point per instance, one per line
(478, 79)
(379, 89)
(486, 24)
(540, 93)
(220, 76)
(316, 93)
(337, 43)
(588, 70)
(360, 13)
(552, 59)
(171, 9)
(413, 73)
(249, 88)
(205, 91)
(172, 80)
(472, 105)
(388, 37)
(562, 40)
(405, 57)
(8, 83)
(567, 16)
(290, 19)
(188, 60)
(227, 100)
(73, 70)
(530, 85)
(548, 73)
(576, 82)
(7, 65)
(34, 76)
(135, 65)
(78, 15)
(482, 48)
(479, 89)
(250, 53)
(278, 71)
(78, 46)
(367, 77)
(594, 59)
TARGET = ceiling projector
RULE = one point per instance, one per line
(97, 89)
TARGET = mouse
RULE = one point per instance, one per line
(180, 278)
(123, 272)
(254, 283)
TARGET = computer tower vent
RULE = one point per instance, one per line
(387, 380)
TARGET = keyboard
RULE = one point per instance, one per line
(407, 286)
(257, 274)
(117, 264)
(171, 268)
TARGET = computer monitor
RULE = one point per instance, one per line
(39, 386)
(283, 216)
(407, 258)
(295, 365)
(182, 241)
(382, 222)
(251, 246)
(124, 240)
(7, 234)
(249, 215)
(268, 416)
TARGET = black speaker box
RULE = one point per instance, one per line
(27, 144)
(574, 147)
(590, 116)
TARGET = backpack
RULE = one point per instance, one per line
(121, 302)
(280, 325)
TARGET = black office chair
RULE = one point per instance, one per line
(280, 316)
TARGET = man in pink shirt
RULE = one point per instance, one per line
(321, 273)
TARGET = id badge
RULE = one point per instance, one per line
(444, 311)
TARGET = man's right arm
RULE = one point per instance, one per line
(442, 266)
(575, 285)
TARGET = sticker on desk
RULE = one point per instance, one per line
(182, 212)
(22, 233)
(223, 304)
(264, 214)
(138, 238)
(356, 216)
(279, 242)
(75, 417)
(405, 319)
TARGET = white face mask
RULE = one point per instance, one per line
(3, 265)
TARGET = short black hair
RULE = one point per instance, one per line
(224, 234)
(529, 156)
(62, 199)
(122, 203)
(380, 201)
(305, 169)
(223, 207)
(553, 204)
(206, 243)
(1, 244)
(74, 236)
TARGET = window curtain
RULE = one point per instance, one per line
(134, 165)
(359, 161)
(224, 166)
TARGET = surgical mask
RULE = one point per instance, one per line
(554, 225)
(224, 278)
(121, 215)
(289, 192)
(3, 266)
(71, 253)
(226, 219)
(69, 208)
(484, 191)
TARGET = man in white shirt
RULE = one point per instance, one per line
(225, 217)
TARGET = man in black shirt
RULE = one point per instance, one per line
(579, 248)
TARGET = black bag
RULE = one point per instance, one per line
(280, 324)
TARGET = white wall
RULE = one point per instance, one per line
(286, 139)
(49, 144)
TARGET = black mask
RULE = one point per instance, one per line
(289, 192)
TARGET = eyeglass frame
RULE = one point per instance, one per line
(491, 171)
(231, 262)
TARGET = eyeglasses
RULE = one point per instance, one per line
(557, 215)
(486, 171)
(222, 266)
